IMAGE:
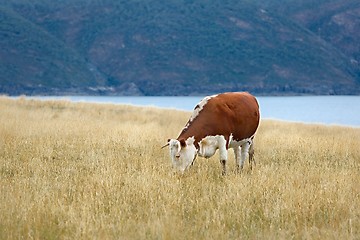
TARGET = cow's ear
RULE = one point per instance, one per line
(182, 143)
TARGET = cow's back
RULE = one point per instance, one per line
(226, 114)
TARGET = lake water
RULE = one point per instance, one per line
(337, 110)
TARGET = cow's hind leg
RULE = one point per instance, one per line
(244, 153)
(251, 155)
(237, 152)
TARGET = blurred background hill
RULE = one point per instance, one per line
(179, 47)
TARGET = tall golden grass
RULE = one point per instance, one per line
(95, 171)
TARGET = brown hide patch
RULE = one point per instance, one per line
(226, 114)
(182, 142)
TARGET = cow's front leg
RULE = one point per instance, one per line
(223, 155)
(223, 164)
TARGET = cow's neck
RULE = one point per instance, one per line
(189, 132)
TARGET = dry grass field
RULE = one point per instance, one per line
(96, 171)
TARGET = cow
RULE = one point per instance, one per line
(222, 121)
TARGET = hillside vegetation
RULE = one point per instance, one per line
(179, 47)
(32, 58)
(85, 171)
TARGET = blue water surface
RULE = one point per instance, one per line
(334, 110)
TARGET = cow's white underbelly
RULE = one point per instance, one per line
(234, 144)
(209, 145)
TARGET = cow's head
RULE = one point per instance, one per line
(182, 153)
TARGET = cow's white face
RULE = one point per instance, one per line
(182, 153)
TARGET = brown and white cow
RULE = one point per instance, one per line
(223, 121)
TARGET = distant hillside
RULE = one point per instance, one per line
(34, 61)
(337, 22)
(179, 47)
